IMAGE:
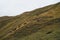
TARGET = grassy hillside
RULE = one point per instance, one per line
(40, 24)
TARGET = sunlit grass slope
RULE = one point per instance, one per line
(39, 24)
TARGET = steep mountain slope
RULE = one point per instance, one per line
(40, 24)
